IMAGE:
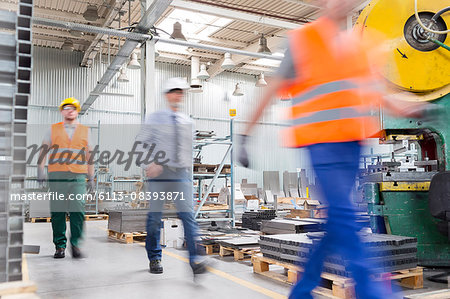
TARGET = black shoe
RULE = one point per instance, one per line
(76, 253)
(59, 253)
(199, 268)
(156, 267)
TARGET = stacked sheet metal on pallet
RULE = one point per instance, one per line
(387, 252)
(252, 220)
(128, 221)
(291, 226)
(240, 242)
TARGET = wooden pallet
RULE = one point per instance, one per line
(40, 219)
(18, 290)
(96, 217)
(239, 254)
(408, 278)
(126, 238)
(205, 168)
(335, 286)
(214, 207)
(86, 218)
(210, 249)
(226, 168)
(211, 168)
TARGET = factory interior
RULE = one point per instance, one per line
(222, 148)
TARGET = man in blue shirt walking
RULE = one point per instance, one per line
(169, 134)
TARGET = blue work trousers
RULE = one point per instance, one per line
(336, 166)
(176, 184)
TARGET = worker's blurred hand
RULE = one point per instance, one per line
(41, 176)
(399, 105)
(153, 170)
(424, 111)
(242, 150)
(433, 112)
(91, 185)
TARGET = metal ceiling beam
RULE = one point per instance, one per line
(53, 13)
(272, 42)
(151, 15)
(186, 57)
(205, 40)
(262, 69)
(183, 58)
(233, 14)
(304, 3)
(57, 39)
(217, 41)
(243, 52)
(140, 37)
(57, 33)
(116, 6)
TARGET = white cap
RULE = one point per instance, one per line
(175, 83)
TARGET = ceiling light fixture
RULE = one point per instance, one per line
(197, 89)
(67, 45)
(228, 63)
(263, 46)
(177, 34)
(238, 91)
(91, 13)
(123, 76)
(203, 74)
(261, 82)
(134, 63)
(196, 84)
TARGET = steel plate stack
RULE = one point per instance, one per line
(387, 252)
(252, 220)
(291, 226)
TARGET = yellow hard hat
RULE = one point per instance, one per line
(70, 101)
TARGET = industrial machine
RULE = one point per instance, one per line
(409, 191)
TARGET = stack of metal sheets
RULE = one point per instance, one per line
(386, 252)
(252, 220)
(287, 226)
(128, 221)
(240, 242)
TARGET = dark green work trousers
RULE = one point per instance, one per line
(69, 189)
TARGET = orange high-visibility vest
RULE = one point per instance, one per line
(332, 98)
(71, 153)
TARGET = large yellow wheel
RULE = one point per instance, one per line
(413, 63)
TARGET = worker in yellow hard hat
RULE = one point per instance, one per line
(70, 101)
(68, 166)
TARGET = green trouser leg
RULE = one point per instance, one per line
(72, 187)
(76, 227)
(59, 229)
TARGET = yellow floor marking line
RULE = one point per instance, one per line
(232, 278)
(25, 275)
(229, 277)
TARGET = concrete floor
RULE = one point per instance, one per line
(116, 270)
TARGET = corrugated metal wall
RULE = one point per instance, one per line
(57, 75)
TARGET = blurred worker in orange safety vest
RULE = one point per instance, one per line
(336, 96)
(68, 145)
